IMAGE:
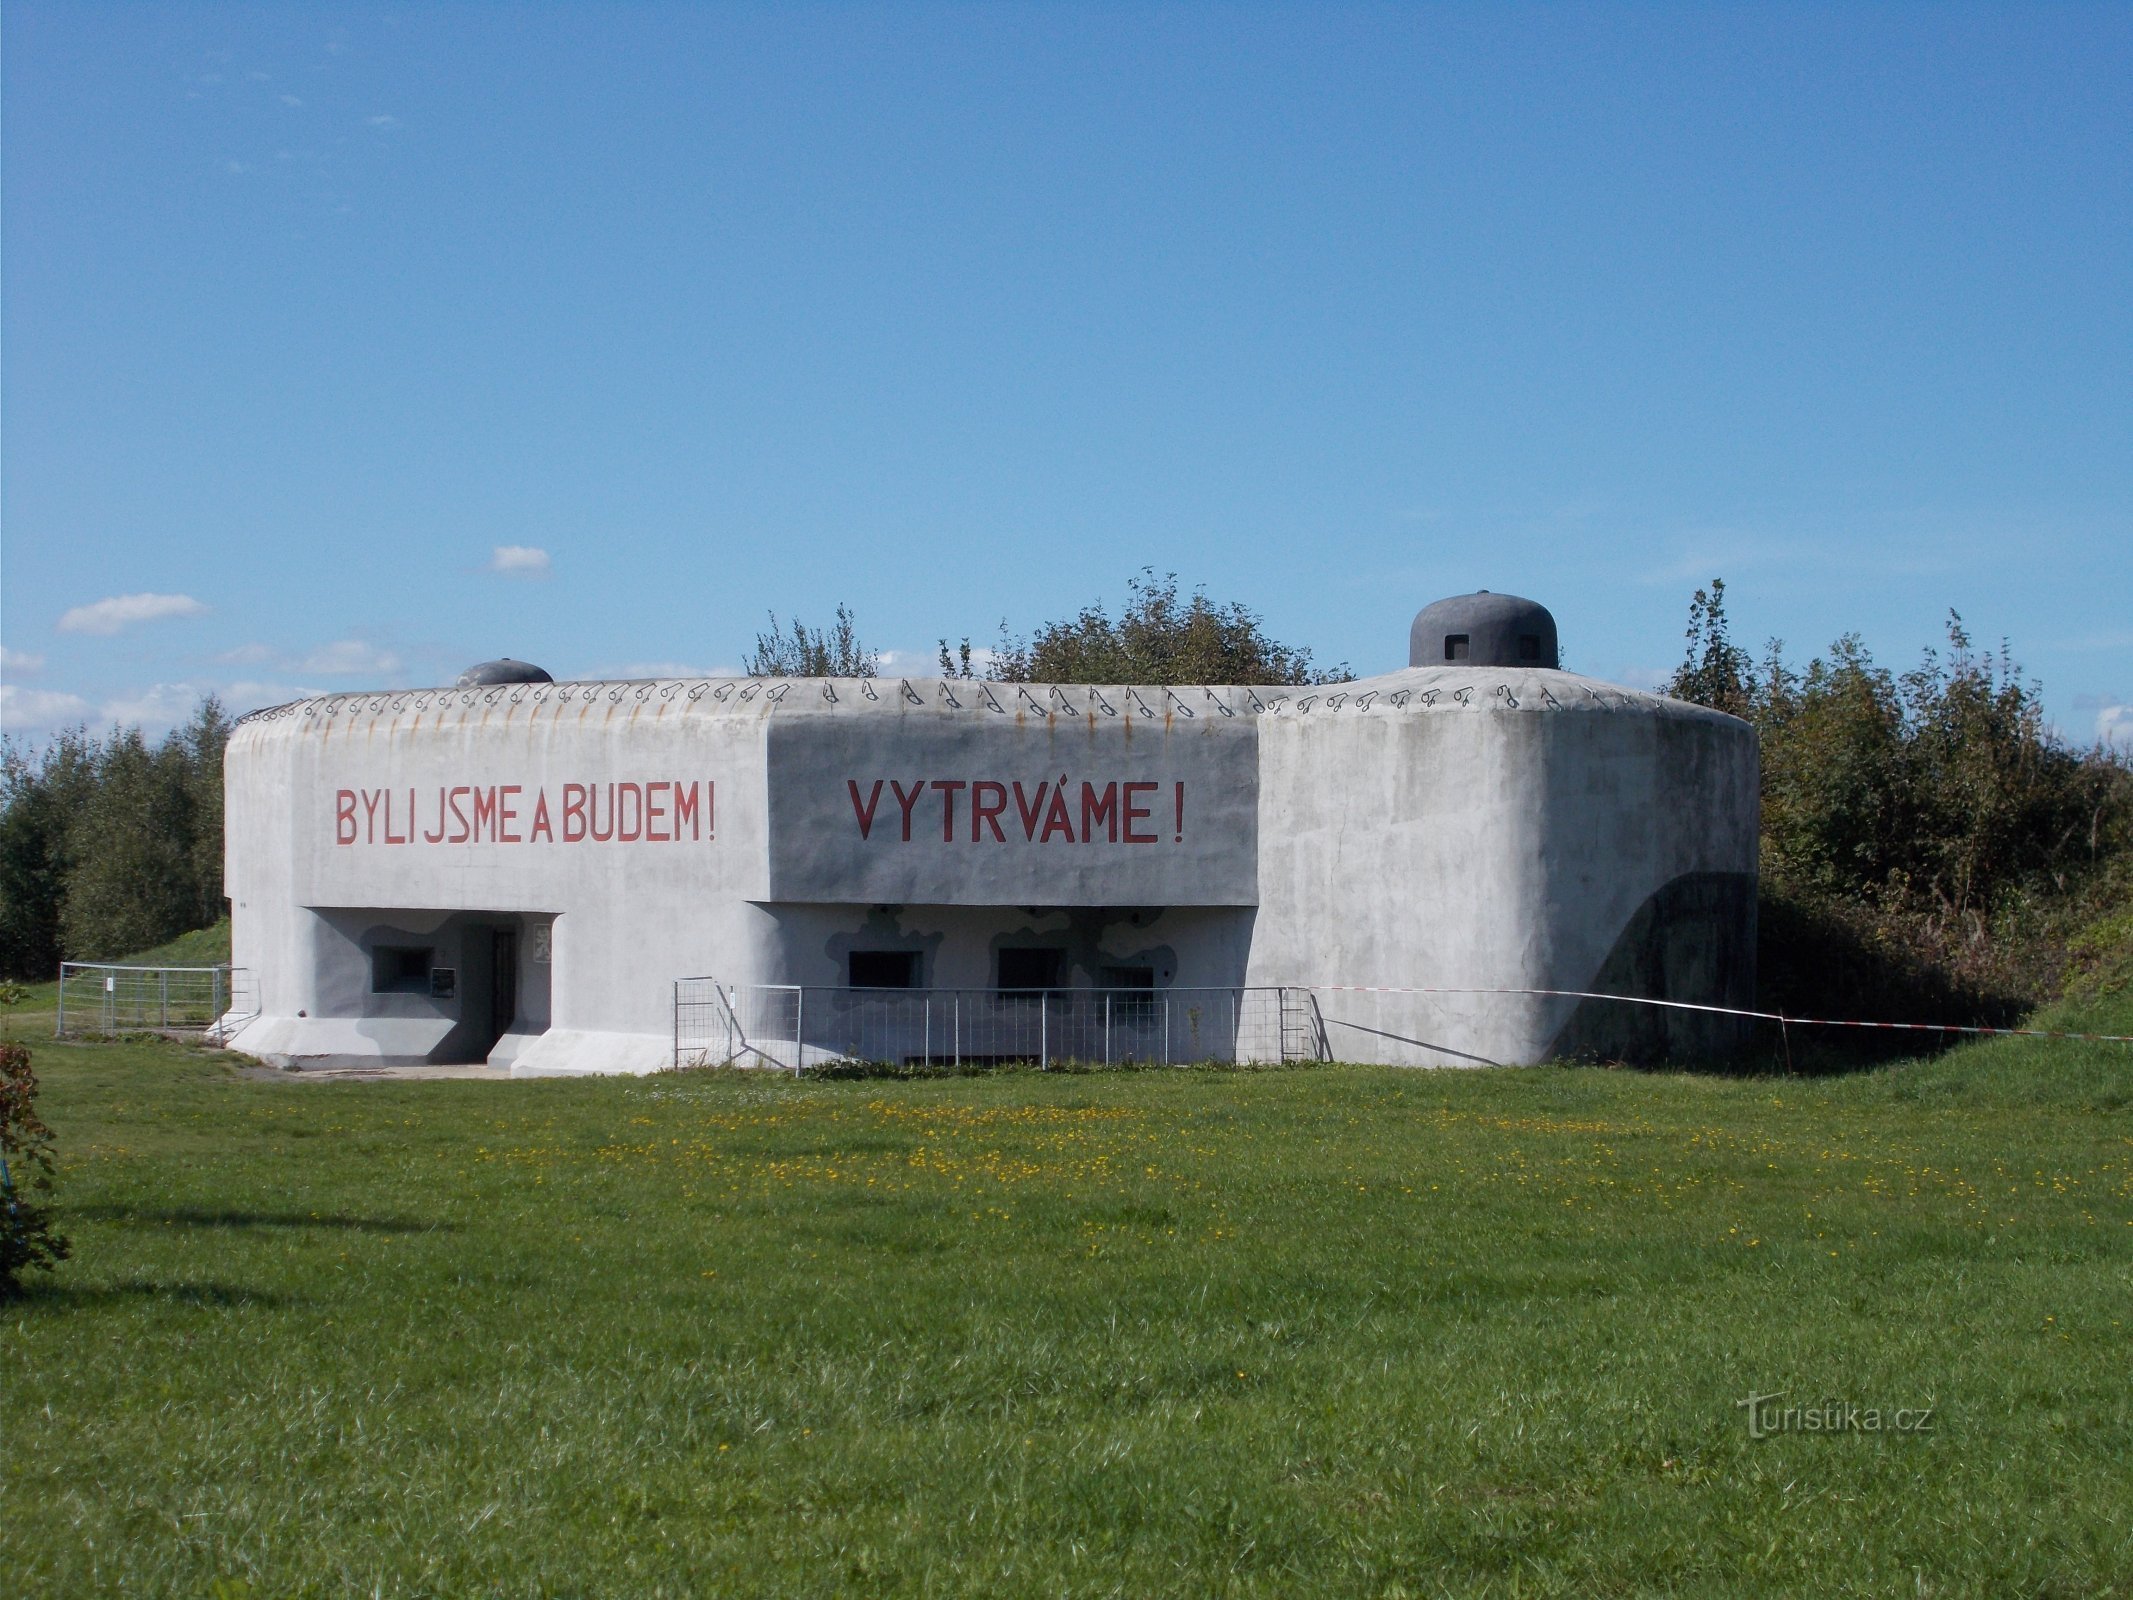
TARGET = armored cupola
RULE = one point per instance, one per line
(505, 670)
(1488, 630)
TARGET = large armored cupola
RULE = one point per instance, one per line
(504, 670)
(1487, 630)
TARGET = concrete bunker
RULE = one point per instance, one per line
(524, 872)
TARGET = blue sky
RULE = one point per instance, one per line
(346, 347)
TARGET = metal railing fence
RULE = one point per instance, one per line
(795, 1026)
(104, 997)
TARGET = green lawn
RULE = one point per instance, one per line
(1326, 1330)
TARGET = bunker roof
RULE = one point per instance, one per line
(1450, 688)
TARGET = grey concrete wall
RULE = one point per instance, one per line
(958, 946)
(1494, 828)
(1050, 801)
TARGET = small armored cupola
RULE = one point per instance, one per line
(1487, 630)
(505, 670)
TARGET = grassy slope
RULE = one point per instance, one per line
(203, 947)
(1340, 1330)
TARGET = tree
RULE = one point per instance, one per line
(1158, 638)
(131, 885)
(202, 741)
(109, 846)
(1933, 811)
(813, 653)
(1715, 672)
(39, 800)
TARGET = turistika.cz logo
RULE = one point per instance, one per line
(1768, 1417)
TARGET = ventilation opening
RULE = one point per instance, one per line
(1032, 969)
(1127, 977)
(1455, 647)
(401, 969)
(1529, 647)
(882, 969)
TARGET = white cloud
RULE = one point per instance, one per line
(383, 121)
(156, 709)
(238, 698)
(666, 669)
(22, 709)
(19, 661)
(2114, 727)
(290, 100)
(519, 561)
(108, 616)
(349, 657)
(247, 655)
(2118, 639)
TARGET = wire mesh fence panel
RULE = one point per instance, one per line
(241, 1005)
(98, 997)
(795, 1027)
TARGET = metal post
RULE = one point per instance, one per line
(1233, 1026)
(677, 1022)
(1044, 1030)
(929, 1028)
(163, 998)
(799, 1028)
(1166, 1032)
(59, 1023)
(1107, 1027)
(956, 1000)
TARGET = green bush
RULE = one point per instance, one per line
(27, 1237)
(1929, 845)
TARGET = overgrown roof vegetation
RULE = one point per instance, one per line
(1161, 637)
(798, 651)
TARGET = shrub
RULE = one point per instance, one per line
(1160, 637)
(806, 652)
(1928, 843)
(27, 1238)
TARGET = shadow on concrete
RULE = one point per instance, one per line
(1327, 1023)
(1814, 960)
(1694, 940)
(1690, 942)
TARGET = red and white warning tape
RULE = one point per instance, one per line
(1759, 1016)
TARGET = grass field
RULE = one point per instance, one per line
(34, 1014)
(1324, 1330)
